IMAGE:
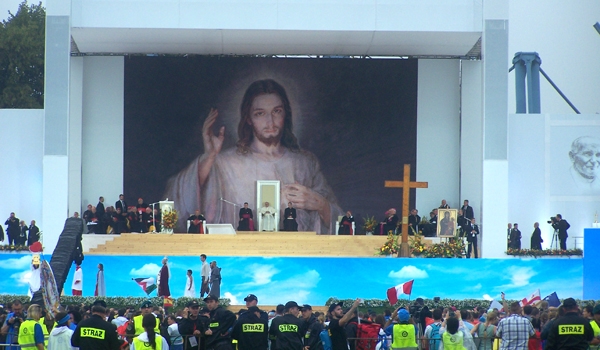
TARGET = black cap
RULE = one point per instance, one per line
(99, 302)
(250, 297)
(211, 297)
(193, 304)
(254, 309)
(146, 303)
(334, 305)
(569, 303)
(306, 307)
(204, 310)
(291, 304)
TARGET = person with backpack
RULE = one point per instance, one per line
(432, 337)
(404, 333)
(484, 333)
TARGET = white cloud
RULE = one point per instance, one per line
(477, 287)
(487, 297)
(16, 264)
(148, 270)
(297, 287)
(520, 276)
(261, 275)
(233, 299)
(408, 271)
(21, 278)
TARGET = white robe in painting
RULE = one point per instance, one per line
(267, 215)
(233, 177)
(190, 288)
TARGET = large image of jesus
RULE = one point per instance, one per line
(267, 149)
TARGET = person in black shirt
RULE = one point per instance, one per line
(221, 321)
(562, 226)
(251, 331)
(570, 331)
(196, 224)
(312, 338)
(191, 324)
(337, 332)
(288, 330)
(95, 333)
(289, 218)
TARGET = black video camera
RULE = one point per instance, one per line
(552, 220)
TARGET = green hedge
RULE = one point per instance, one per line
(114, 302)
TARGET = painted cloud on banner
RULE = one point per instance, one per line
(408, 271)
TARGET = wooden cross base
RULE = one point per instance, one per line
(404, 250)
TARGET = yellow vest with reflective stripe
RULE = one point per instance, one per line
(137, 322)
(596, 329)
(453, 341)
(403, 336)
(141, 345)
(27, 334)
(45, 331)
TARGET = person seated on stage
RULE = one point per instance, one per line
(141, 204)
(246, 219)
(289, 222)
(143, 218)
(346, 224)
(118, 222)
(390, 223)
(430, 229)
(196, 224)
(444, 205)
(267, 214)
(413, 222)
(461, 221)
(89, 216)
(132, 219)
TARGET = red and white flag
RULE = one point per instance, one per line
(532, 300)
(394, 293)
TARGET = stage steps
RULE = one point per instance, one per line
(242, 244)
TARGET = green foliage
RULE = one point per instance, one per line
(547, 252)
(114, 302)
(22, 43)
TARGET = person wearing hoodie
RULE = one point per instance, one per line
(60, 336)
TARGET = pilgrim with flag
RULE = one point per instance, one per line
(394, 293)
(533, 299)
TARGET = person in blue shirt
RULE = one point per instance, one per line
(30, 331)
(402, 316)
(12, 324)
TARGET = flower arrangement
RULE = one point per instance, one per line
(14, 248)
(390, 246)
(454, 248)
(548, 252)
(169, 219)
(370, 223)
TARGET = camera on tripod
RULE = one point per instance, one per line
(552, 220)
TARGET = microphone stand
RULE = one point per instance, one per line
(153, 219)
(234, 208)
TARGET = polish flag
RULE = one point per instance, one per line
(532, 300)
(394, 293)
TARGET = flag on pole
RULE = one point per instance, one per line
(553, 300)
(495, 304)
(532, 300)
(148, 284)
(394, 293)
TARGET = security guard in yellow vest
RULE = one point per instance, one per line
(31, 335)
(146, 340)
(452, 338)
(595, 323)
(135, 326)
(403, 333)
(95, 333)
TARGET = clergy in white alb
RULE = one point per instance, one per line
(267, 217)
(266, 149)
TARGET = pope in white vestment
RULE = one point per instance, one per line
(267, 214)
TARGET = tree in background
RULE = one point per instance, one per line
(22, 41)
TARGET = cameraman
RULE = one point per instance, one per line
(12, 324)
(562, 226)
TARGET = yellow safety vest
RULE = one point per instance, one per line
(45, 330)
(596, 329)
(141, 345)
(403, 336)
(27, 334)
(137, 322)
(453, 341)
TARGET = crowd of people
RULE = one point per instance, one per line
(292, 326)
(18, 233)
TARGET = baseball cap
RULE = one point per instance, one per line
(146, 303)
(403, 315)
(211, 297)
(569, 303)
(250, 297)
(254, 309)
(204, 310)
(596, 309)
(306, 307)
(290, 304)
(193, 304)
(334, 305)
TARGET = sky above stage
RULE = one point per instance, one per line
(314, 280)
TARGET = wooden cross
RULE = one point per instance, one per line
(406, 185)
